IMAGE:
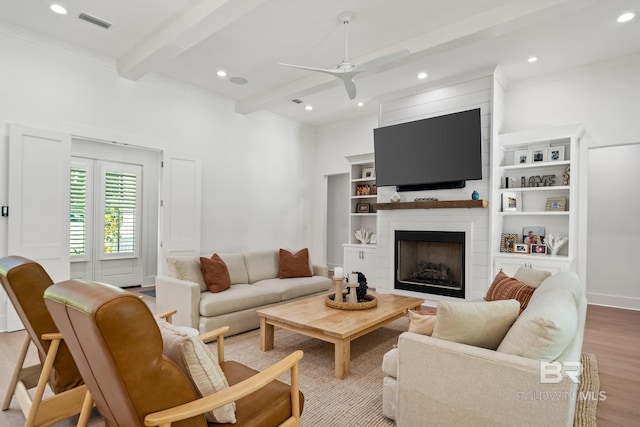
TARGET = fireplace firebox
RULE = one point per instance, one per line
(430, 262)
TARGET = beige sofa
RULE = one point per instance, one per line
(254, 285)
(433, 382)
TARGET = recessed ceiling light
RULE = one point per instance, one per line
(422, 75)
(58, 8)
(221, 73)
(532, 59)
(625, 17)
(360, 104)
(308, 108)
(239, 80)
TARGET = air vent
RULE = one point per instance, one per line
(297, 101)
(95, 21)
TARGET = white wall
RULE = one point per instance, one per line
(332, 144)
(605, 97)
(256, 181)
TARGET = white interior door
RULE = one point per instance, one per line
(39, 201)
(180, 210)
(106, 221)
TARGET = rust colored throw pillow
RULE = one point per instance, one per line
(505, 287)
(215, 273)
(294, 265)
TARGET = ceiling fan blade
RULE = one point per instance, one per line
(378, 62)
(332, 72)
(349, 84)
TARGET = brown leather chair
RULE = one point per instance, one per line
(25, 282)
(118, 348)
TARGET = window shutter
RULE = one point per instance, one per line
(120, 212)
(78, 213)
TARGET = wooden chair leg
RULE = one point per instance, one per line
(87, 407)
(42, 382)
(16, 372)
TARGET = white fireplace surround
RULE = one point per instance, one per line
(391, 221)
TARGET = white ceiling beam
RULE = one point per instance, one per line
(196, 24)
(509, 17)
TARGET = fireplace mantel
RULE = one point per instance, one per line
(433, 204)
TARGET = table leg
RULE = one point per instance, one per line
(266, 335)
(343, 358)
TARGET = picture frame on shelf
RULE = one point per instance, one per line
(522, 157)
(538, 249)
(508, 241)
(539, 154)
(368, 173)
(533, 234)
(511, 201)
(363, 190)
(363, 208)
(556, 204)
(374, 239)
(555, 154)
(521, 248)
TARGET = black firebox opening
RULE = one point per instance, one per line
(430, 262)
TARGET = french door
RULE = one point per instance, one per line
(105, 221)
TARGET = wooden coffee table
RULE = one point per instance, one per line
(313, 318)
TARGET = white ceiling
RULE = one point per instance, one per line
(189, 40)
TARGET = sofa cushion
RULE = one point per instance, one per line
(547, 326)
(477, 323)
(236, 298)
(505, 287)
(294, 265)
(262, 265)
(295, 287)
(186, 268)
(215, 273)
(421, 323)
(199, 365)
(531, 276)
(237, 269)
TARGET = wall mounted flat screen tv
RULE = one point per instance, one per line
(433, 153)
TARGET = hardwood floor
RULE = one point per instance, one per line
(613, 335)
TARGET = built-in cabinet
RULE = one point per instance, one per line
(535, 187)
(360, 256)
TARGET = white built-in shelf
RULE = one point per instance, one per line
(535, 165)
(536, 213)
(533, 200)
(548, 188)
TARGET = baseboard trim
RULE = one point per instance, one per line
(614, 301)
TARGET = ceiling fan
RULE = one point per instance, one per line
(346, 70)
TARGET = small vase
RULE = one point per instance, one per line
(475, 195)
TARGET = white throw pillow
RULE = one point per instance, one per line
(186, 268)
(478, 323)
(199, 365)
(531, 276)
(421, 323)
(545, 328)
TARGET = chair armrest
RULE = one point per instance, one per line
(219, 334)
(320, 270)
(167, 315)
(180, 295)
(50, 336)
(233, 393)
(456, 384)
